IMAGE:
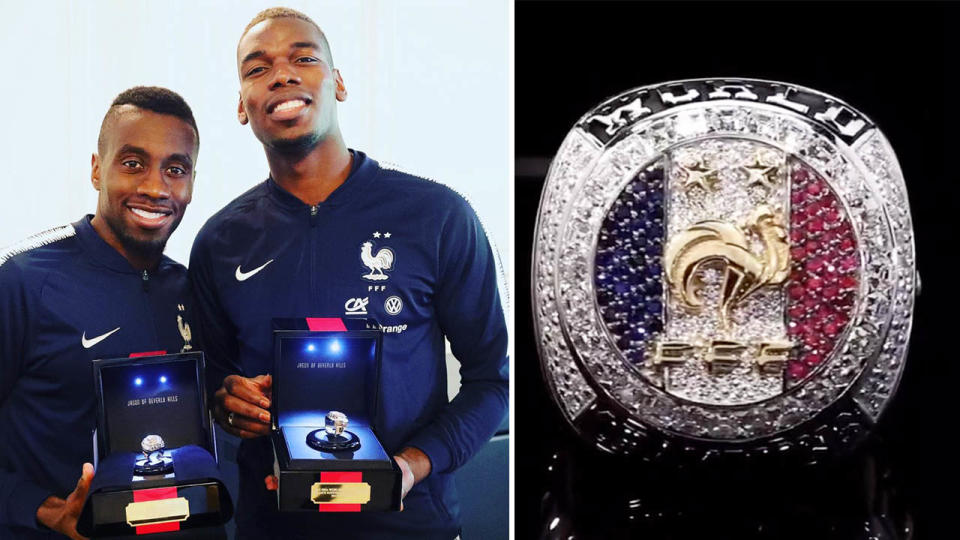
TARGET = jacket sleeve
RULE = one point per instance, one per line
(217, 334)
(20, 497)
(471, 316)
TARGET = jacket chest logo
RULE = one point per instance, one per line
(378, 262)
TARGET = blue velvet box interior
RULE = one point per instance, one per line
(323, 365)
(320, 371)
(162, 395)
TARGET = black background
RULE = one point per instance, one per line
(897, 63)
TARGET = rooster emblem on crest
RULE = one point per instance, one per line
(383, 260)
(744, 270)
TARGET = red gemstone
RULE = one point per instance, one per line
(797, 197)
(811, 246)
(810, 302)
(797, 253)
(796, 236)
(832, 215)
(830, 292)
(815, 225)
(848, 263)
(796, 292)
(831, 329)
(812, 339)
(814, 188)
(796, 311)
(815, 264)
(846, 244)
(812, 359)
(796, 370)
(814, 283)
(847, 282)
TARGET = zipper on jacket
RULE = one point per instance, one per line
(146, 280)
(313, 215)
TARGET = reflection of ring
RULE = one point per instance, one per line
(230, 419)
(721, 261)
(152, 443)
(336, 423)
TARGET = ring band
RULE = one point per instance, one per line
(230, 419)
(719, 261)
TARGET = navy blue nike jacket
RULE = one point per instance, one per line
(406, 251)
(67, 298)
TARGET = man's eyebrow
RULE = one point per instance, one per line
(183, 158)
(251, 56)
(305, 45)
(131, 149)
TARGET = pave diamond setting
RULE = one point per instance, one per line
(642, 168)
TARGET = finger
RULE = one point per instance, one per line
(246, 389)
(271, 483)
(250, 425)
(251, 392)
(240, 407)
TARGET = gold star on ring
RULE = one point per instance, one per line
(697, 174)
(761, 174)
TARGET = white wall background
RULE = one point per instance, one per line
(428, 87)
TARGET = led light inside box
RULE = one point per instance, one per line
(138, 381)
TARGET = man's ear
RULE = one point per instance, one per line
(95, 171)
(241, 114)
(341, 88)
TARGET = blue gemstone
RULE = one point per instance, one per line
(621, 288)
(653, 228)
(635, 356)
(624, 342)
(604, 258)
(654, 307)
(654, 288)
(638, 333)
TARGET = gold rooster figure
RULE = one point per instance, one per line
(744, 271)
(383, 260)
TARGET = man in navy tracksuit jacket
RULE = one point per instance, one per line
(332, 233)
(98, 288)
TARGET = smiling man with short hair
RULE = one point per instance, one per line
(333, 233)
(98, 288)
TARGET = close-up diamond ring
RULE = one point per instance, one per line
(723, 265)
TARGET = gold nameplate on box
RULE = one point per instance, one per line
(340, 493)
(158, 511)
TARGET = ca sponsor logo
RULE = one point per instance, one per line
(356, 306)
(393, 305)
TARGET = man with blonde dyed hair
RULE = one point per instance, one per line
(332, 228)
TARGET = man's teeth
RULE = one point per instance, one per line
(148, 215)
(286, 105)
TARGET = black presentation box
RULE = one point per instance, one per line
(323, 365)
(153, 395)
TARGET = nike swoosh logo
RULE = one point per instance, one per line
(87, 343)
(243, 276)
